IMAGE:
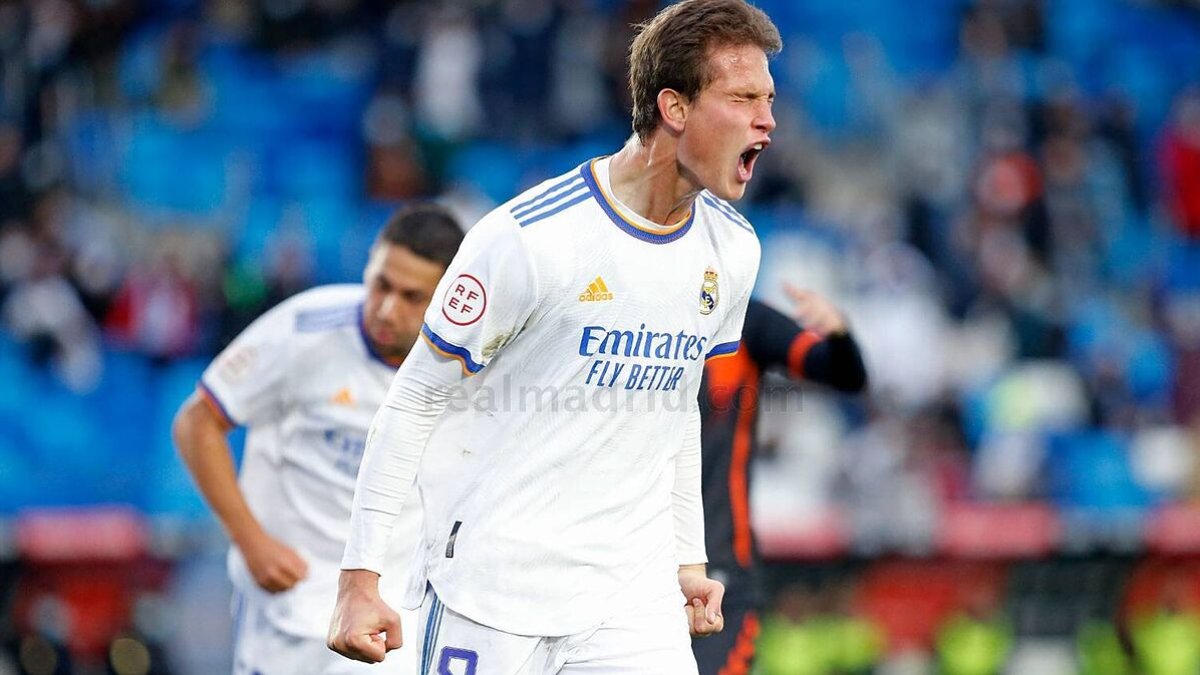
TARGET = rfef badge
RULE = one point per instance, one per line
(709, 295)
(465, 301)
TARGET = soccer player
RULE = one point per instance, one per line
(564, 534)
(819, 348)
(306, 379)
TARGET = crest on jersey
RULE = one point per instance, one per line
(709, 293)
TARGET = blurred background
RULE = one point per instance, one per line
(1003, 195)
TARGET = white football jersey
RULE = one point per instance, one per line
(547, 482)
(305, 382)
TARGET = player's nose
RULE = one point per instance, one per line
(765, 120)
(388, 306)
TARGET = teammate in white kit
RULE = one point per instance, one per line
(306, 379)
(552, 407)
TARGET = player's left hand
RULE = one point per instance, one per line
(704, 597)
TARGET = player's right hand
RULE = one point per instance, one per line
(363, 627)
(275, 566)
(815, 312)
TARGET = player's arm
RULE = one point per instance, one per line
(200, 433)
(484, 299)
(819, 348)
(703, 595)
(244, 385)
(363, 627)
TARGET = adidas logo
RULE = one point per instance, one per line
(342, 397)
(596, 292)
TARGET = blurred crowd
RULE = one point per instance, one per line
(95, 257)
(1004, 196)
(1024, 268)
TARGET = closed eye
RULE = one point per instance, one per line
(747, 98)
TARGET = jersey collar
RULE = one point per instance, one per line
(588, 170)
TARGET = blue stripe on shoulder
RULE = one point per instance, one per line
(725, 206)
(562, 206)
(572, 191)
(326, 318)
(729, 212)
(554, 192)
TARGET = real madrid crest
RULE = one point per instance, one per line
(709, 294)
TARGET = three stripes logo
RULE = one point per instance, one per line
(342, 397)
(596, 291)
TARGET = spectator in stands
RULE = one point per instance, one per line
(1181, 164)
(158, 310)
(43, 310)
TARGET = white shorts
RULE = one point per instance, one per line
(651, 639)
(259, 648)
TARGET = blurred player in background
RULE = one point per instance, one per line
(306, 379)
(565, 535)
(818, 348)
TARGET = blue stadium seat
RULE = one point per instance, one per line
(315, 167)
(1091, 469)
(328, 218)
(173, 169)
(167, 489)
(488, 167)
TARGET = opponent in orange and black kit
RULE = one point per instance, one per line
(729, 405)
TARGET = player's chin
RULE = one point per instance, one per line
(731, 189)
(391, 343)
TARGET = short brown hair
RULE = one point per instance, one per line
(427, 229)
(671, 50)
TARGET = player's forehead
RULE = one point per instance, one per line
(400, 267)
(740, 68)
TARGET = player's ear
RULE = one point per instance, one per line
(672, 109)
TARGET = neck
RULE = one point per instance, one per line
(648, 178)
(393, 357)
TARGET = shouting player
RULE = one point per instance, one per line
(820, 349)
(565, 534)
(306, 379)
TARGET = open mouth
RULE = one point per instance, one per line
(746, 160)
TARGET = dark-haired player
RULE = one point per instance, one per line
(306, 379)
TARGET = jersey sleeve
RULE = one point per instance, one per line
(728, 337)
(244, 383)
(395, 443)
(687, 498)
(485, 297)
